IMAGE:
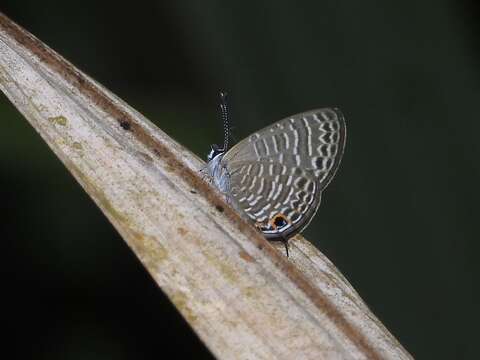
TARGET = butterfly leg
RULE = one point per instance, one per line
(205, 175)
(228, 194)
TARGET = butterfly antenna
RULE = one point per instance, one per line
(225, 119)
(232, 134)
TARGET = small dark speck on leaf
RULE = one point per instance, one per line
(193, 191)
(219, 208)
(125, 125)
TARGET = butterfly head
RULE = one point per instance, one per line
(214, 152)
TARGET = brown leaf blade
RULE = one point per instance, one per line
(241, 296)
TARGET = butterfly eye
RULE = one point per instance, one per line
(215, 150)
(210, 155)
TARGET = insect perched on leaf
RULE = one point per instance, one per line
(276, 175)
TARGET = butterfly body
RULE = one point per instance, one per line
(276, 176)
(219, 174)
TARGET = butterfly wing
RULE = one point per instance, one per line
(277, 174)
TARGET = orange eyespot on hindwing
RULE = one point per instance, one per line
(276, 223)
(279, 221)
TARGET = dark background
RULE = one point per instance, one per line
(399, 220)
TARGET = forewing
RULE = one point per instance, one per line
(313, 141)
(278, 173)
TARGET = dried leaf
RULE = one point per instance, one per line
(242, 296)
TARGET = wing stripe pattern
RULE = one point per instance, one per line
(277, 174)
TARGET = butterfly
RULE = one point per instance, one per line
(276, 175)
